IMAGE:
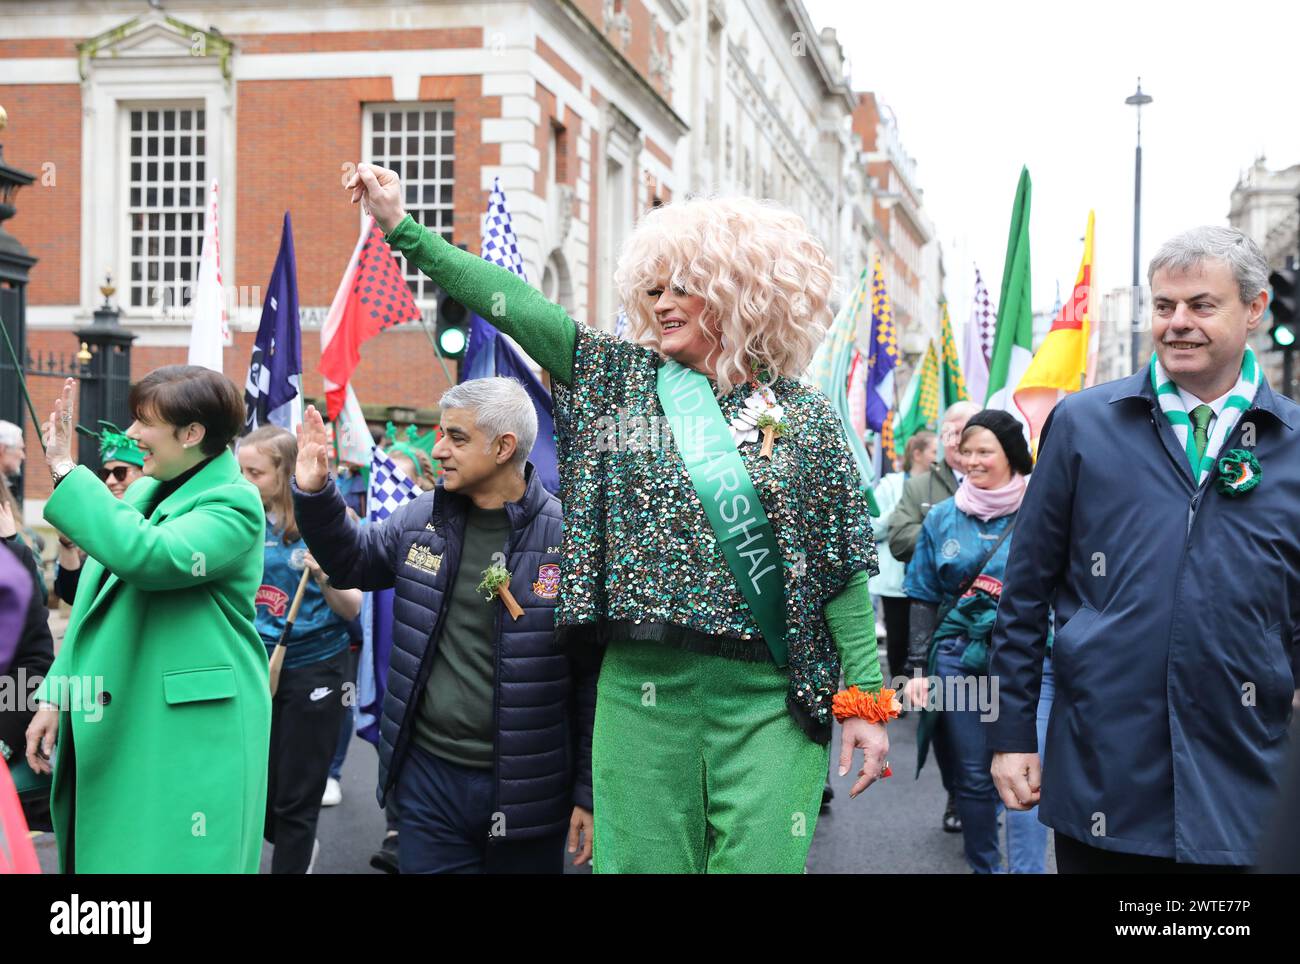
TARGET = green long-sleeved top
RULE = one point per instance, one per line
(550, 336)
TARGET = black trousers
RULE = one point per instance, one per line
(897, 610)
(304, 734)
(1075, 857)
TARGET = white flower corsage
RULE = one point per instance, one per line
(745, 427)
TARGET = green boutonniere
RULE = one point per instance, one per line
(772, 430)
(496, 582)
(1239, 472)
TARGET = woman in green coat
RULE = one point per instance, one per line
(159, 696)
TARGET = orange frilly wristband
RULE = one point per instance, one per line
(873, 707)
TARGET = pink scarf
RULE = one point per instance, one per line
(986, 504)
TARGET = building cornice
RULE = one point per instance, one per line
(602, 49)
(182, 37)
(834, 86)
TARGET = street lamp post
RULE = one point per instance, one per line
(1138, 100)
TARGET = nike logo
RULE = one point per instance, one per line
(319, 693)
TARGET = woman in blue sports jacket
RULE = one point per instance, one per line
(308, 706)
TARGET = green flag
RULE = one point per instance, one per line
(921, 404)
(1013, 337)
(954, 385)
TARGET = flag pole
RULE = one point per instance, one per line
(22, 383)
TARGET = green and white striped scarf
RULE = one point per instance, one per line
(1171, 403)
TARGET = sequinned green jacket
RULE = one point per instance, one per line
(640, 557)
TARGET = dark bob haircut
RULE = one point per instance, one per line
(180, 394)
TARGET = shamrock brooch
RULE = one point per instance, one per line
(1239, 472)
(772, 428)
(496, 582)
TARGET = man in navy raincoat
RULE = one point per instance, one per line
(1163, 522)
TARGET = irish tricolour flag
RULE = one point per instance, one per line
(1014, 336)
(1061, 364)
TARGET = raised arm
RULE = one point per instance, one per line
(353, 556)
(197, 546)
(496, 295)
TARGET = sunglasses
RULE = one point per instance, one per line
(118, 473)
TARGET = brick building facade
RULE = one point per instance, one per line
(588, 111)
(568, 103)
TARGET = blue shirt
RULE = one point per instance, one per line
(318, 632)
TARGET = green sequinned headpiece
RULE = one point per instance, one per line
(114, 445)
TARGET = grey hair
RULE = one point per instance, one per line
(962, 410)
(1213, 243)
(10, 434)
(501, 406)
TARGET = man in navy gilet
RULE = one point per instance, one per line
(485, 739)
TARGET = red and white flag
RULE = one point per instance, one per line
(372, 296)
(209, 331)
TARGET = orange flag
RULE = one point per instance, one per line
(1060, 364)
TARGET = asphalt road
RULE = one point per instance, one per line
(894, 827)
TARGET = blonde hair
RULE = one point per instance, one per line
(766, 281)
(281, 448)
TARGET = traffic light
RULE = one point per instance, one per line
(452, 330)
(1283, 304)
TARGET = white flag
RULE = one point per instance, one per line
(354, 438)
(979, 342)
(210, 332)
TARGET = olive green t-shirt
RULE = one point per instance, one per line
(454, 718)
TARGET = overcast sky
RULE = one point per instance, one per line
(981, 88)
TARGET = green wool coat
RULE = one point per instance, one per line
(163, 678)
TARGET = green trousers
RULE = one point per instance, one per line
(697, 766)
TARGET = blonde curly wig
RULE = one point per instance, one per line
(766, 281)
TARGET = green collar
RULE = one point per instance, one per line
(221, 469)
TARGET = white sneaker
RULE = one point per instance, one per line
(333, 794)
(315, 852)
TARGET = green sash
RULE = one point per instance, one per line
(724, 487)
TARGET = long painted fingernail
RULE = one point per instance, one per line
(843, 770)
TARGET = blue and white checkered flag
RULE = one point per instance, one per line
(500, 246)
(488, 354)
(389, 487)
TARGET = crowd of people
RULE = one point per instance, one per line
(646, 671)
